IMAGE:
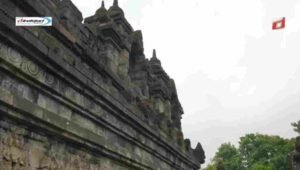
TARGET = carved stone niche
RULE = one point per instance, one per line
(137, 46)
(69, 15)
(161, 122)
(123, 66)
(187, 143)
(13, 155)
(180, 139)
(145, 106)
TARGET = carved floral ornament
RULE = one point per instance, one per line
(71, 162)
(15, 155)
(13, 152)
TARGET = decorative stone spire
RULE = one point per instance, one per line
(101, 15)
(102, 9)
(115, 10)
(154, 59)
(103, 4)
(116, 3)
(154, 54)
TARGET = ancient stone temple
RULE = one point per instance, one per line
(81, 95)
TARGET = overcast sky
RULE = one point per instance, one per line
(234, 74)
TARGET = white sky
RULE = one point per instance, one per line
(234, 75)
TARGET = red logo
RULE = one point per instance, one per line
(279, 24)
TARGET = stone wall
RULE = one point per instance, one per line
(82, 95)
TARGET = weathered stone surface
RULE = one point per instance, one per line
(84, 96)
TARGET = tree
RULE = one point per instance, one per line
(230, 156)
(255, 152)
(271, 151)
(210, 167)
(217, 165)
(261, 167)
(220, 165)
(296, 126)
(227, 158)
